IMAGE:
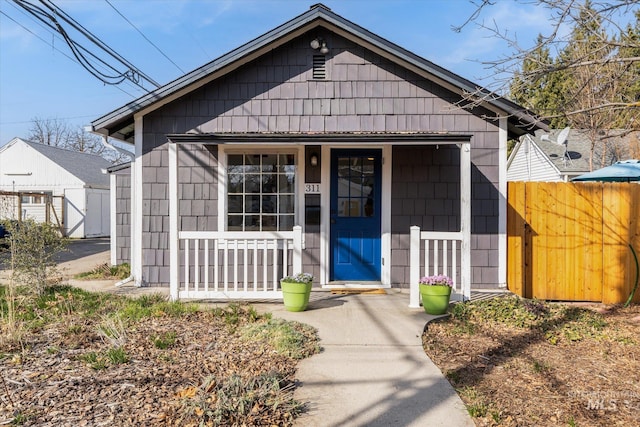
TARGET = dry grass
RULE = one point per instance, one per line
(100, 359)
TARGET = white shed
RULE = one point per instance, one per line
(29, 167)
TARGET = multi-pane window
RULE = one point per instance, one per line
(260, 192)
(355, 186)
(36, 199)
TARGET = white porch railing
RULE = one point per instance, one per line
(236, 265)
(432, 253)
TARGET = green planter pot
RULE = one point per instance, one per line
(295, 295)
(435, 299)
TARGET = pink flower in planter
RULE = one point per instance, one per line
(298, 278)
(439, 280)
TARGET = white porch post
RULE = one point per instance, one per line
(414, 267)
(297, 250)
(174, 243)
(465, 219)
(136, 204)
(113, 223)
(503, 137)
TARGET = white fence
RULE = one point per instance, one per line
(237, 265)
(432, 253)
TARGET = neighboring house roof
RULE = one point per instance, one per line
(119, 123)
(86, 167)
(575, 158)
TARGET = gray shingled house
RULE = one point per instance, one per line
(318, 147)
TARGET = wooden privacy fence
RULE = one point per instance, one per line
(570, 241)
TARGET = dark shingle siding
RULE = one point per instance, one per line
(123, 218)
(252, 100)
(380, 100)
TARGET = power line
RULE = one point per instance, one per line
(59, 118)
(45, 17)
(43, 26)
(53, 31)
(135, 72)
(145, 37)
(115, 77)
(55, 48)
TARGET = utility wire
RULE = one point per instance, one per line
(145, 37)
(28, 15)
(45, 17)
(50, 18)
(55, 48)
(59, 118)
(88, 34)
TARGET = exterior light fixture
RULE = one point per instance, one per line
(319, 44)
(313, 160)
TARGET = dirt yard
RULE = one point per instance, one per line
(89, 359)
(524, 363)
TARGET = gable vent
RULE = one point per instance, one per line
(319, 67)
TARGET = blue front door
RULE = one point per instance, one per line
(355, 214)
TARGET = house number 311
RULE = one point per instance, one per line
(312, 189)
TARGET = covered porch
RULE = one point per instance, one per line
(206, 264)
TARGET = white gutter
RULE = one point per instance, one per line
(116, 149)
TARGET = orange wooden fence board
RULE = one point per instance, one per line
(570, 241)
(516, 237)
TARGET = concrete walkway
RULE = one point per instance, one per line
(372, 370)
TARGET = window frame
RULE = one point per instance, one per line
(36, 198)
(223, 193)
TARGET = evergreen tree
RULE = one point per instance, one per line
(630, 75)
(537, 89)
(587, 78)
(592, 84)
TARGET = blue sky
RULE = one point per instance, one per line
(38, 80)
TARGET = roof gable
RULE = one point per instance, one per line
(86, 167)
(527, 162)
(119, 123)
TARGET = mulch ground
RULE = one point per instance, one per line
(515, 376)
(50, 383)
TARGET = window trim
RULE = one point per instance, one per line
(30, 198)
(224, 151)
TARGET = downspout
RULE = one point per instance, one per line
(117, 149)
(131, 276)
